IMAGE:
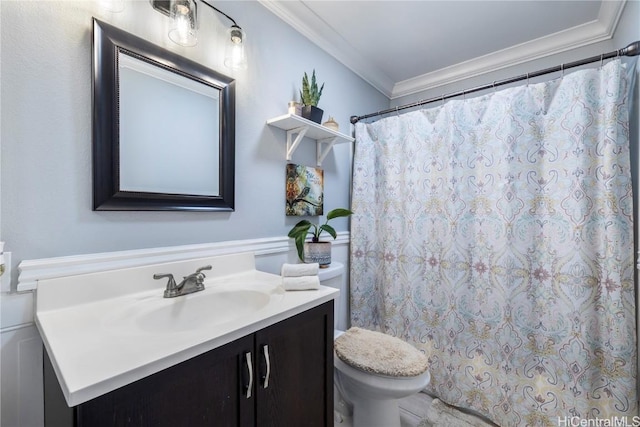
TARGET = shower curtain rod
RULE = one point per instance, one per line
(633, 49)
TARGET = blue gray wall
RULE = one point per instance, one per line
(45, 136)
(46, 128)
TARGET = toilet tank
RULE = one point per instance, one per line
(334, 276)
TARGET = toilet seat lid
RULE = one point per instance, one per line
(379, 353)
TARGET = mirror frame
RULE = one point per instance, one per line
(108, 42)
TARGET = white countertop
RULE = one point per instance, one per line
(94, 351)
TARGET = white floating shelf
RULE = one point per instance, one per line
(300, 127)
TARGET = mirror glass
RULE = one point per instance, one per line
(163, 128)
(152, 102)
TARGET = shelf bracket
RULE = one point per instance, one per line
(292, 143)
(322, 153)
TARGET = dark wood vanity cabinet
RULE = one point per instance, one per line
(292, 386)
(300, 389)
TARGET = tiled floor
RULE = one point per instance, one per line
(413, 409)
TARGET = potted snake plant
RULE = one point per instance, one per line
(309, 96)
(315, 250)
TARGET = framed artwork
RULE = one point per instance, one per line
(305, 187)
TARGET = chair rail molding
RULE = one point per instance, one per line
(31, 271)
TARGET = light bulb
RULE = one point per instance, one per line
(235, 56)
(184, 28)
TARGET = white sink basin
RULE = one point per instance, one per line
(184, 313)
(214, 306)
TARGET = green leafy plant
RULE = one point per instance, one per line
(310, 95)
(303, 228)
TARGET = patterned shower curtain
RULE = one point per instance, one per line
(496, 235)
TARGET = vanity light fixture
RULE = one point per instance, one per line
(235, 56)
(184, 29)
(184, 22)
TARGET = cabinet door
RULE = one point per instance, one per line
(300, 364)
(207, 390)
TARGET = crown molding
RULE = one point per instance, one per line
(572, 38)
(303, 20)
(306, 22)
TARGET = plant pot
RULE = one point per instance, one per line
(312, 113)
(319, 252)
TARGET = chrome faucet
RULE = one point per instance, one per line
(191, 283)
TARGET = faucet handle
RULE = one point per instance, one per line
(199, 275)
(171, 284)
(206, 267)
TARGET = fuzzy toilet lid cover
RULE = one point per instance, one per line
(379, 353)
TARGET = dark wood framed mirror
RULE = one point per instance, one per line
(163, 128)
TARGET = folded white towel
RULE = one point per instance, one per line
(300, 283)
(297, 270)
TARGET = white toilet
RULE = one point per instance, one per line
(370, 396)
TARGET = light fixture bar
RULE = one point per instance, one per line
(162, 6)
(184, 15)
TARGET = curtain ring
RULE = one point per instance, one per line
(397, 114)
(527, 79)
(601, 60)
(494, 86)
(562, 69)
(443, 99)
